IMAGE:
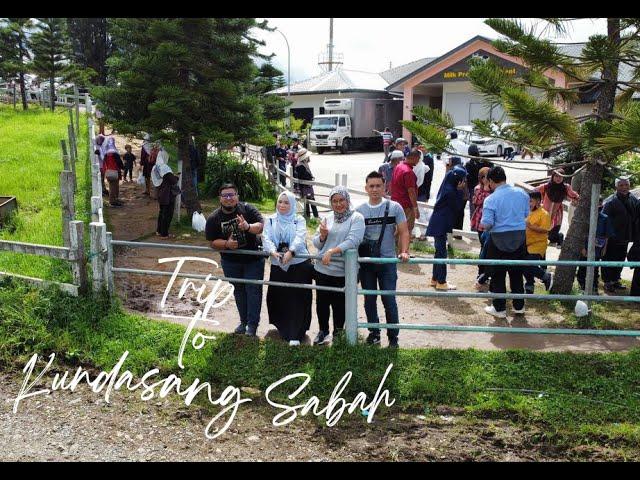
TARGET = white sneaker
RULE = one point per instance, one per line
(294, 343)
(521, 311)
(493, 312)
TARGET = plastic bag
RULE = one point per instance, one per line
(141, 180)
(198, 222)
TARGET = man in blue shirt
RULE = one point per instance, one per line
(504, 216)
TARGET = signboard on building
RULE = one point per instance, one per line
(460, 70)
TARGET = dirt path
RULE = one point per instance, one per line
(81, 426)
(137, 221)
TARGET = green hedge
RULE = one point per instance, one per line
(224, 167)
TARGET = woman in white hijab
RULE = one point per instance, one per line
(145, 161)
(166, 183)
(284, 238)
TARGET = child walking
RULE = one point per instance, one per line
(129, 161)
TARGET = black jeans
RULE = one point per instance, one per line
(329, 300)
(555, 236)
(499, 275)
(308, 207)
(532, 272)
(635, 283)
(164, 218)
(616, 252)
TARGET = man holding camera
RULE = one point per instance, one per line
(381, 219)
(236, 225)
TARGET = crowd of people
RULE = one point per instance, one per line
(155, 175)
(511, 224)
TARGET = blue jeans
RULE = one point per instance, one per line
(248, 297)
(440, 270)
(386, 278)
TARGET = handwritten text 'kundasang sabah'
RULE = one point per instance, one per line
(230, 399)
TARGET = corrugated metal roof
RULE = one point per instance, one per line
(337, 80)
(353, 80)
(394, 74)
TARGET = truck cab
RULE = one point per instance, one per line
(330, 131)
(353, 123)
(333, 129)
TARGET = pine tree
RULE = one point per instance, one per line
(91, 44)
(14, 50)
(183, 77)
(267, 79)
(600, 138)
(51, 52)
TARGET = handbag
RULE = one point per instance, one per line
(111, 175)
(371, 248)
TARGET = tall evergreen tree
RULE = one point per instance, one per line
(14, 50)
(51, 52)
(91, 44)
(183, 77)
(600, 138)
(267, 79)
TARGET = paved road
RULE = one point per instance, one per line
(358, 165)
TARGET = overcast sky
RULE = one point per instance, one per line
(371, 44)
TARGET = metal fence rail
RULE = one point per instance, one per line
(351, 290)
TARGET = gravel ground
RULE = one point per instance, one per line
(80, 426)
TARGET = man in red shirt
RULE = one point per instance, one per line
(404, 187)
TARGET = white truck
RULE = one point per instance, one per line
(350, 123)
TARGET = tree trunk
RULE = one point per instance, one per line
(578, 231)
(190, 198)
(23, 92)
(579, 228)
(52, 92)
(201, 146)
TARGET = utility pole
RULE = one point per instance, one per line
(330, 44)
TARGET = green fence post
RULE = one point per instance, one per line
(351, 295)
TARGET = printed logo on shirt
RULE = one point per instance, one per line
(391, 220)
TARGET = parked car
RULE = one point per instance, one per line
(492, 146)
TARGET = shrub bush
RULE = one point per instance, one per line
(224, 167)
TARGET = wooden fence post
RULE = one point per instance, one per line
(96, 180)
(65, 156)
(68, 207)
(77, 101)
(290, 172)
(98, 232)
(79, 266)
(96, 205)
(109, 263)
(72, 149)
(88, 105)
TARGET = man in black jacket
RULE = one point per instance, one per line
(622, 209)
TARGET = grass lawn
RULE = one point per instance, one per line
(30, 165)
(573, 398)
